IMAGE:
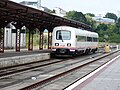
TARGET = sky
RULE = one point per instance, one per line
(97, 7)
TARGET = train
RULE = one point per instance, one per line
(68, 40)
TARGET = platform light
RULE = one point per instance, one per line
(56, 44)
(68, 44)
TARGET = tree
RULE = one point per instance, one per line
(91, 22)
(118, 23)
(90, 14)
(101, 34)
(78, 16)
(103, 27)
(111, 16)
(114, 38)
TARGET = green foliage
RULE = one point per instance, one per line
(78, 16)
(111, 16)
(111, 31)
(35, 39)
(103, 27)
(90, 14)
(101, 35)
(91, 22)
(114, 38)
(118, 23)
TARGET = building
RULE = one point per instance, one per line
(59, 11)
(29, 4)
(35, 4)
(101, 20)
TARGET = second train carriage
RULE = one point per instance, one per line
(72, 41)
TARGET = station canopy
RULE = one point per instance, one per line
(24, 15)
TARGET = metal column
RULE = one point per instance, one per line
(18, 35)
(2, 40)
(41, 37)
(40, 41)
(49, 40)
(30, 41)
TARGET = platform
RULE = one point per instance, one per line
(10, 57)
(105, 78)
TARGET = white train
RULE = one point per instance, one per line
(72, 41)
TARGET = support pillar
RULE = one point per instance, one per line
(3, 23)
(18, 35)
(18, 26)
(50, 29)
(41, 37)
(31, 27)
(49, 40)
(1, 40)
(30, 41)
(40, 41)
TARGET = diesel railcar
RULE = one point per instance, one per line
(68, 40)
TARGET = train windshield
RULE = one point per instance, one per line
(63, 35)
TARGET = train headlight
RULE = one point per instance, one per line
(56, 44)
(68, 44)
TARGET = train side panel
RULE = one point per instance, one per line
(87, 41)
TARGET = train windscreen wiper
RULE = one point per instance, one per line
(60, 37)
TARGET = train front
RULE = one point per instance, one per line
(63, 41)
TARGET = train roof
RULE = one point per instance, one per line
(78, 31)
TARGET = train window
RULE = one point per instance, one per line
(89, 39)
(63, 35)
(81, 38)
(95, 39)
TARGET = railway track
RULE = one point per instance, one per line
(90, 66)
(9, 71)
(46, 74)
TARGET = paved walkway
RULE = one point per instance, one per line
(107, 78)
(12, 52)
